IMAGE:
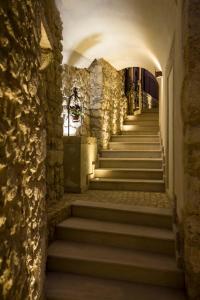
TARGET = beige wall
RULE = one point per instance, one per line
(80, 156)
(184, 59)
(170, 134)
(175, 62)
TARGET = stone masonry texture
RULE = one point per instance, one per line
(79, 78)
(108, 104)
(23, 139)
(101, 88)
(51, 95)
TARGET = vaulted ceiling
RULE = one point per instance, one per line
(124, 32)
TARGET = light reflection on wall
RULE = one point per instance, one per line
(74, 127)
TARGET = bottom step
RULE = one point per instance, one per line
(127, 184)
(66, 286)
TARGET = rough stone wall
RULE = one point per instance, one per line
(191, 119)
(22, 151)
(79, 78)
(50, 92)
(108, 102)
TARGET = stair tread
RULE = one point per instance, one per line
(117, 228)
(141, 119)
(113, 255)
(132, 135)
(129, 169)
(139, 132)
(62, 286)
(150, 118)
(126, 180)
(142, 125)
(136, 119)
(130, 150)
(130, 158)
(137, 143)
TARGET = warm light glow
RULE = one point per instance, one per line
(72, 128)
(124, 32)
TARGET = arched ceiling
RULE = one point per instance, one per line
(124, 32)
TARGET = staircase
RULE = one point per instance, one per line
(117, 252)
(134, 159)
(113, 252)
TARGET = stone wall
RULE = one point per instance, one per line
(108, 102)
(79, 78)
(50, 93)
(191, 118)
(30, 103)
(101, 89)
(22, 151)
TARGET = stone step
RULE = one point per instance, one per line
(154, 129)
(131, 153)
(136, 138)
(65, 286)
(128, 214)
(126, 236)
(140, 132)
(114, 263)
(121, 184)
(142, 122)
(129, 173)
(150, 117)
(134, 146)
(132, 163)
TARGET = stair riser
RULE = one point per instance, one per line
(130, 164)
(129, 146)
(147, 128)
(142, 122)
(129, 174)
(127, 186)
(134, 154)
(143, 118)
(136, 139)
(110, 270)
(161, 246)
(122, 216)
(140, 132)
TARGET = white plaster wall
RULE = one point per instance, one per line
(123, 32)
(170, 131)
(175, 61)
(178, 123)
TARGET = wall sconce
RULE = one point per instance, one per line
(158, 74)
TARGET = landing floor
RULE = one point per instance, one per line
(123, 197)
